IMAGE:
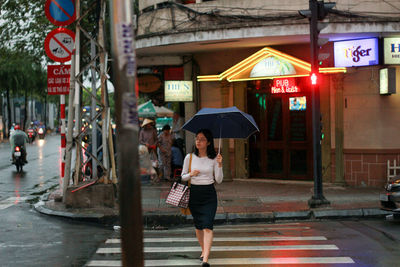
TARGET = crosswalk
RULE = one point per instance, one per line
(11, 201)
(234, 245)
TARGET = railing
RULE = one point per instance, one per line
(392, 170)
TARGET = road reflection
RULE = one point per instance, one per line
(17, 185)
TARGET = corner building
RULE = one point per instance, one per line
(256, 55)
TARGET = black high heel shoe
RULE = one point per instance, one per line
(205, 264)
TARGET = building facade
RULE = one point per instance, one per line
(217, 45)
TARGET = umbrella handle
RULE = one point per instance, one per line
(219, 142)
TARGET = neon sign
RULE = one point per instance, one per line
(284, 85)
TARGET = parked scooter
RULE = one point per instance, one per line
(390, 200)
(18, 158)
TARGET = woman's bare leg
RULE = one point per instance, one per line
(208, 239)
(200, 238)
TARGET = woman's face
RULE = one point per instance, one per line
(201, 141)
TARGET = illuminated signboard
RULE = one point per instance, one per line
(387, 81)
(355, 53)
(297, 103)
(391, 50)
(181, 91)
(284, 85)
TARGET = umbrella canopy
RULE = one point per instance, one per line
(164, 112)
(147, 109)
(223, 122)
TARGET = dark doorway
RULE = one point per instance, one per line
(283, 147)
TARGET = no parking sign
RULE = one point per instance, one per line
(60, 12)
(59, 44)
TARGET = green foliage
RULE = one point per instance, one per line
(20, 71)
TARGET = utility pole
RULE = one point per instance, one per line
(318, 10)
(124, 69)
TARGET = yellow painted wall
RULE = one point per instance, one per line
(371, 120)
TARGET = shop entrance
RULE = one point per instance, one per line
(283, 147)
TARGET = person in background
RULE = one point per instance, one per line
(177, 132)
(176, 157)
(165, 144)
(148, 137)
(18, 138)
(206, 168)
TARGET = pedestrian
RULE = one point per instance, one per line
(164, 144)
(176, 157)
(177, 123)
(206, 168)
(148, 137)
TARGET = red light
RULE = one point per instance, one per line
(313, 78)
(17, 148)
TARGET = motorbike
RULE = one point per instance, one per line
(390, 199)
(31, 135)
(18, 159)
(41, 133)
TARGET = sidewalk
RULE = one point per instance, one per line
(242, 201)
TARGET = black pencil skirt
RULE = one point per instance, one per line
(203, 205)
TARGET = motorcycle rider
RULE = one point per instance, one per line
(19, 138)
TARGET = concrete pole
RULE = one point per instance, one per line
(77, 98)
(339, 131)
(104, 95)
(124, 69)
(68, 152)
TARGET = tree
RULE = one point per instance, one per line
(19, 74)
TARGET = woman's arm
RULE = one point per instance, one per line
(185, 169)
(218, 173)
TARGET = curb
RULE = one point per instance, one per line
(167, 219)
(155, 220)
(85, 217)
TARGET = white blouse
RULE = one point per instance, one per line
(209, 170)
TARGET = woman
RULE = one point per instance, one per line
(165, 144)
(206, 167)
(148, 137)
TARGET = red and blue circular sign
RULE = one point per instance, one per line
(60, 12)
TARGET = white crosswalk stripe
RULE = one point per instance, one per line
(11, 201)
(235, 246)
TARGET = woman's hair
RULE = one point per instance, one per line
(210, 147)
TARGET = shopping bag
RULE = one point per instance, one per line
(178, 195)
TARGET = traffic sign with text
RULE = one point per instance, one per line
(58, 77)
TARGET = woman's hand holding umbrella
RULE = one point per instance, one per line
(219, 160)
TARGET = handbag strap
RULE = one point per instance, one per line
(190, 167)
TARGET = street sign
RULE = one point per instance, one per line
(59, 44)
(58, 77)
(60, 12)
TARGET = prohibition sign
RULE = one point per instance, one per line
(59, 44)
(60, 12)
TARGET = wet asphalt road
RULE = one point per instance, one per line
(28, 238)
